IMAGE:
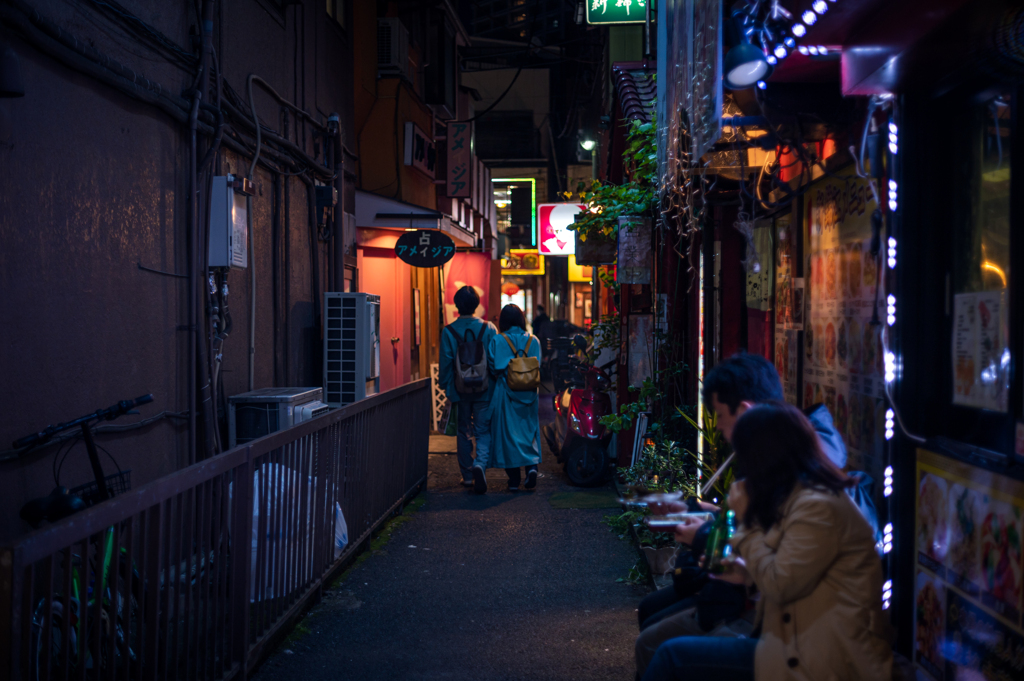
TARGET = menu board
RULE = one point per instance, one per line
(967, 587)
(789, 307)
(843, 362)
(981, 355)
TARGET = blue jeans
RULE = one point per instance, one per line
(472, 424)
(703, 657)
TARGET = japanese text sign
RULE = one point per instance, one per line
(554, 219)
(617, 11)
(419, 150)
(425, 248)
(460, 160)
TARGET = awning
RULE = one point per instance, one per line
(379, 212)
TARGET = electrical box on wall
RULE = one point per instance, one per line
(229, 231)
(351, 347)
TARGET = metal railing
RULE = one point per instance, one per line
(192, 575)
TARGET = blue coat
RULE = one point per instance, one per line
(514, 415)
(449, 346)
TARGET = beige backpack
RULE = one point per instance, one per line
(523, 372)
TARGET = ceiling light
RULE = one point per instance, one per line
(744, 66)
(799, 30)
(809, 17)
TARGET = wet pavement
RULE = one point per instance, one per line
(485, 588)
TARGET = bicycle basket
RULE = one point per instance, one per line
(117, 483)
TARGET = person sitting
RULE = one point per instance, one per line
(514, 415)
(811, 554)
(470, 406)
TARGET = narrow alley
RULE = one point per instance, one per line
(493, 587)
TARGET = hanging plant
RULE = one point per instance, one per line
(606, 202)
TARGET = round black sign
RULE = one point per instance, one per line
(425, 248)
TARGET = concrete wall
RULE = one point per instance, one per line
(94, 183)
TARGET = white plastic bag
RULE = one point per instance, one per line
(284, 483)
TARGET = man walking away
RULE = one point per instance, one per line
(463, 376)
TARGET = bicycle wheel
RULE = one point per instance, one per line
(54, 621)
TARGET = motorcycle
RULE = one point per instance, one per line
(576, 436)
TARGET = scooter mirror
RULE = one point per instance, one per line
(580, 341)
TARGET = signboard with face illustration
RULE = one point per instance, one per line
(843, 361)
(553, 220)
(968, 579)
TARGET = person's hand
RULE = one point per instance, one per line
(709, 507)
(735, 573)
(666, 507)
(687, 530)
(738, 500)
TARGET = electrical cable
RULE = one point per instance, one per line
(496, 102)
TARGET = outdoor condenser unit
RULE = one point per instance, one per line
(351, 347)
(261, 412)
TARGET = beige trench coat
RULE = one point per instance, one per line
(820, 580)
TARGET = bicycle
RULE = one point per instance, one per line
(115, 583)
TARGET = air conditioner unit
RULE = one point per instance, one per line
(351, 347)
(392, 47)
(261, 412)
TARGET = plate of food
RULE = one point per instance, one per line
(930, 621)
(965, 514)
(932, 527)
(1001, 552)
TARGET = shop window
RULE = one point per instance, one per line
(336, 10)
(983, 253)
(981, 264)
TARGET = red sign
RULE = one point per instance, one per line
(553, 220)
(459, 147)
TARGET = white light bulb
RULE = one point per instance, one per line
(780, 51)
(802, 49)
(809, 17)
(892, 185)
(892, 127)
(799, 30)
(771, 59)
(893, 149)
(822, 49)
(820, 6)
(812, 49)
(892, 205)
(760, 86)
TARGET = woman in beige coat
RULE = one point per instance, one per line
(811, 556)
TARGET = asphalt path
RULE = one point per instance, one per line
(489, 587)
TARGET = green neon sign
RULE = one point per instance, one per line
(533, 200)
(617, 11)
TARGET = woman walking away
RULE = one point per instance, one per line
(810, 553)
(514, 416)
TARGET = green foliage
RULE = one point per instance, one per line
(629, 522)
(606, 203)
(716, 450)
(664, 466)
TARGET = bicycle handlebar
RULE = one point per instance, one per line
(109, 414)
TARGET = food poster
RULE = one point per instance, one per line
(981, 355)
(788, 308)
(843, 360)
(967, 587)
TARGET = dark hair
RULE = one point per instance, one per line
(467, 300)
(540, 309)
(511, 316)
(776, 447)
(742, 378)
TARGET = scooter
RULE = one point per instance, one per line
(576, 436)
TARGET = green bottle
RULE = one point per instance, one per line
(718, 553)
